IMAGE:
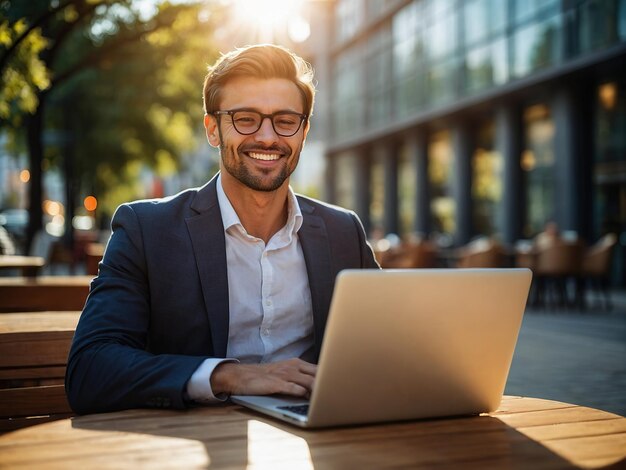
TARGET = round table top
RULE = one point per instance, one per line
(523, 433)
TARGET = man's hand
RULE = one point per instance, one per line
(291, 377)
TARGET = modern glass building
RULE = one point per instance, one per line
(480, 117)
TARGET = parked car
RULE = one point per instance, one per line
(15, 221)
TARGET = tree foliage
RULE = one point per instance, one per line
(121, 88)
(25, 76)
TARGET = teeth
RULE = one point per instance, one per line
(264, 156)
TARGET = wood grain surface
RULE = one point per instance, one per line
(523, 433)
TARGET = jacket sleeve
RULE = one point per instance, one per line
(368, 260)
(109, 367)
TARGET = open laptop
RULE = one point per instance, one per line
(410, 344)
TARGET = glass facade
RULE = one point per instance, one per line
(430, 53)
(511, 84)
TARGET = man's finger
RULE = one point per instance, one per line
(308, 368)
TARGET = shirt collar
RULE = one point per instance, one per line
(230, 217)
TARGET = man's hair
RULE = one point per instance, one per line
(262, 61)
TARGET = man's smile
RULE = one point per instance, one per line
(263, 156)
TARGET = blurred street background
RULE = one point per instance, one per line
(573, 356)
(464, 133)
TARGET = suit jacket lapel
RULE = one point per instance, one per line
(207, 237)
(316, 250)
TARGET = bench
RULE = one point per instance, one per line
(33, 357)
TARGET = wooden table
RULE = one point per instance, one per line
(23, 294)
(523, 433)
(29, 265)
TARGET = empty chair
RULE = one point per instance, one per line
(556, 265)
(395, 257)
(596, 266)
(482, 253)
(422, 254)
(413, 253)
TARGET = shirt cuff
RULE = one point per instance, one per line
(199, 385)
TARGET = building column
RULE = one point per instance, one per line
(463, 147)
(390, 215)
(362, 195)
(417, 144)
(565, 113)
(508, 144)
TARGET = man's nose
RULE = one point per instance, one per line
(266, 132)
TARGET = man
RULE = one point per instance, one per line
(222, 289)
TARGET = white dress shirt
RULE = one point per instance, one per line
(270, 310)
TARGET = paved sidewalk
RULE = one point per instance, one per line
(573, 356)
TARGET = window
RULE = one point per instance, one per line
(349, 17)
(621, 20)
(487, 177)
(442, 81)
(379, 80)
(538, 165)
(441, 36)
(407, 190)
(348, 111)
(597, 27)
(408, 53)
(442, 206)
(537, 46)
(609, 168)
(486, 66)
(482, 19)
(377, 189)
(345, 168)
(526, 9)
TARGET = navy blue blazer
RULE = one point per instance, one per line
(159, 306)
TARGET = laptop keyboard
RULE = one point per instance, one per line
(298, 409)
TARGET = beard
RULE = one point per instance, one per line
(234, 162)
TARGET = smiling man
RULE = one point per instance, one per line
(223, 289)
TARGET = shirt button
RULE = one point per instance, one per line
(268, 302)
(266, 332)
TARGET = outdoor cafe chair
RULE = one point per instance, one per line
(596, 266)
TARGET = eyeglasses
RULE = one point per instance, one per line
(246, 121)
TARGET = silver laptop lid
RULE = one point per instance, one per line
(406, 344)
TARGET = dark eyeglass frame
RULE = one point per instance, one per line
(230, 112)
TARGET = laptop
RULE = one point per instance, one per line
(410, 344)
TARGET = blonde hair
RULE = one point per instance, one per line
(262, 61)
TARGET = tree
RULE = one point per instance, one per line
(121, 86)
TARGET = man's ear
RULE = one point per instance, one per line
(305, 131)
(212, 132)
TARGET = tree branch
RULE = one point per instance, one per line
(98, 54)
(4, 58)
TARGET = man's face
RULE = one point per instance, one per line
(262, 161)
